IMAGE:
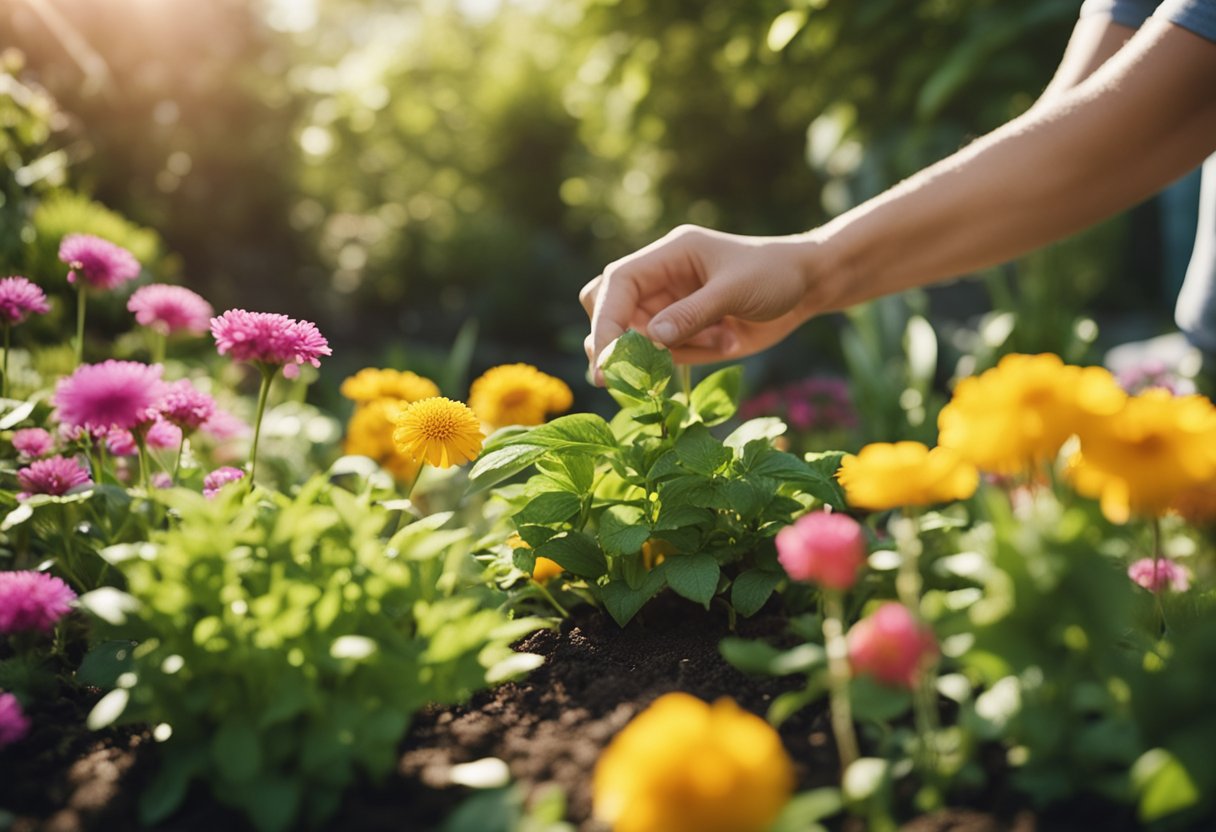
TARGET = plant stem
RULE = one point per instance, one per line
(159, 340)
(263, 393)
(141, 443)
(1162, 627)
(81, 301)
(908, 586)
(549, 597)
(177, 462)
(685, 371)
(838, 678)
(7, 332)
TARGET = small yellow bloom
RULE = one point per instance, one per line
(438, 431)
(518, 394)
(1148, 455)
(685, 766)
(370, 384)
(890, 475)
(370, 433)
(655, 551)
(545, 570)
(1020, 412)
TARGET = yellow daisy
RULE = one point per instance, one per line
(518, 394)
(890, 475)
(370, 384)
(439, 431)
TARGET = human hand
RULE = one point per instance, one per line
(707, 295)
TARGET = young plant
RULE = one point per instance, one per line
(653, 499)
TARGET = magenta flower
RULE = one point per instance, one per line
(33, 442)
(825, 548)
(122, 394)
(892, 646)
(270, 339)
(169, 309)
(161, 479)
(55, 476)
(101, 263)
(32, 601)
(224, 425)
(1161, 575)
(14, 724)
(187, 407)
(121, 442)
(162, 434)
(217, 479)
(19, 298)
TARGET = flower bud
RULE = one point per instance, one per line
(891, 645)
(821, 547)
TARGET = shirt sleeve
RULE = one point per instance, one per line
(1198, 16)
(1130, 13)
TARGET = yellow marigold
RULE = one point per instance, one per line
(685, 766)
(370, 384)
(889, 475)
(518, 394)
(1147, 455)
(439, 431)
(1020, 412)
(545, 569)
(370, 433)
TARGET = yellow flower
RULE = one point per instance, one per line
(685, 766)
(1197, 504)
(655, 551)
(1020, 412)
(885, 475)
(518, 394)
(370, 384)
(1146, 456)
(439, 431)
(544, 569)
(370, 433)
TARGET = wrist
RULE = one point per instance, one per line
(823, 270)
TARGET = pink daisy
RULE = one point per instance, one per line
(217, 479)
(14, 724)
(32, 601)
(186, 406)
(1166, 575)
(33, 442)
(101, 263)
(269, 338)
(19, 298)
(168, 309)
(122, 394)
(56, 476)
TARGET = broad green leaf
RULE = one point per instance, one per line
(751, 590)
(622, 530)
(699, 451)
(18, 413)
(274, 802)
(623, 603)
(691, 490)
(765, 428)
(789, 468)
(497, 465)
(678, 516)
(693, 576)
(805, 809)
(548, 508)
(762, 658)
(167, 788)
(579, 432)
(875, 702)
(636, 368)
(102, 665)
(865, 778)
(1164, 785)
(235, 750)
(716, 398)
(575, 552)
(513, 666)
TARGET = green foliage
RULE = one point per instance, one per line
(653, 499)
(285, 644)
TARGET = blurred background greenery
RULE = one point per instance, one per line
(397, 169)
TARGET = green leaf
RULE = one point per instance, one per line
(694, 576)
(102, 665)
(19, 412)
(623, 603)
(805, 809)
(109, 604)
(762, 658)
(636, 368)
(751, 590)
(876, 702)
(167, 788)
(575, 552)
(108, 709)
(574, 472)
(791, 702)
(1164, 785)
(678, 516)
(789, 468)
(865, 778)
(274, 802)
(691, 490)
(578, 432)
(716, 398)
(699, 451)
(497, 465)
(549, 507)
(766, 429)
(536, 536)
(235, 750)
(622, 530)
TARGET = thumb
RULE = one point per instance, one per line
(686, 317)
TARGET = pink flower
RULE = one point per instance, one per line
(268, 338)
(56, 476)
(224, 425)
(891, 645)
(168, 309)
(14, 724)
(33, 442)
(162, 434)
(101, 263)
(217, 479)
(122, 394)
(801, 414)
(120, 442)
(821, 547)
(1166, 575)
(162, 480)
(19, 298)
(32, 601)
(186, 406)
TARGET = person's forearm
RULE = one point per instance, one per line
(1141, 121)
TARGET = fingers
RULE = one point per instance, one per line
(586, 295)
(684, 318)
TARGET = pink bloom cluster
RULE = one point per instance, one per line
(1152, 374)
(186, 406)
(1161, 575)
(169, 309)
(891, 645)
(19, 298)
(217, 479)
(101, 263)
(32, 601)
(56, 475)
(113, 394)
(269, 338)
(160, 434)
(817, 403)
(32, 443)
(14, 724)
(825, 548)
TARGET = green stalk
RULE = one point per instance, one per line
(838, 679)
(177, 463)
(141, 444)
(159, 340)
(908, 586)
(1162, 627)
(549, 597)
(264, 393)
(4, 384)
(82, 298)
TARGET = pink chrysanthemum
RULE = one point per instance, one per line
(33, 442)
(101, 263)
(163, 434)
(122, 394)
(14, 724)
(19, 298)
(1164, 575)
(56, 476)
(168, 309)
(269, 338)
(217, 479)
(120, 442)
(186, 406)
(32, 601)
(224, 425)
